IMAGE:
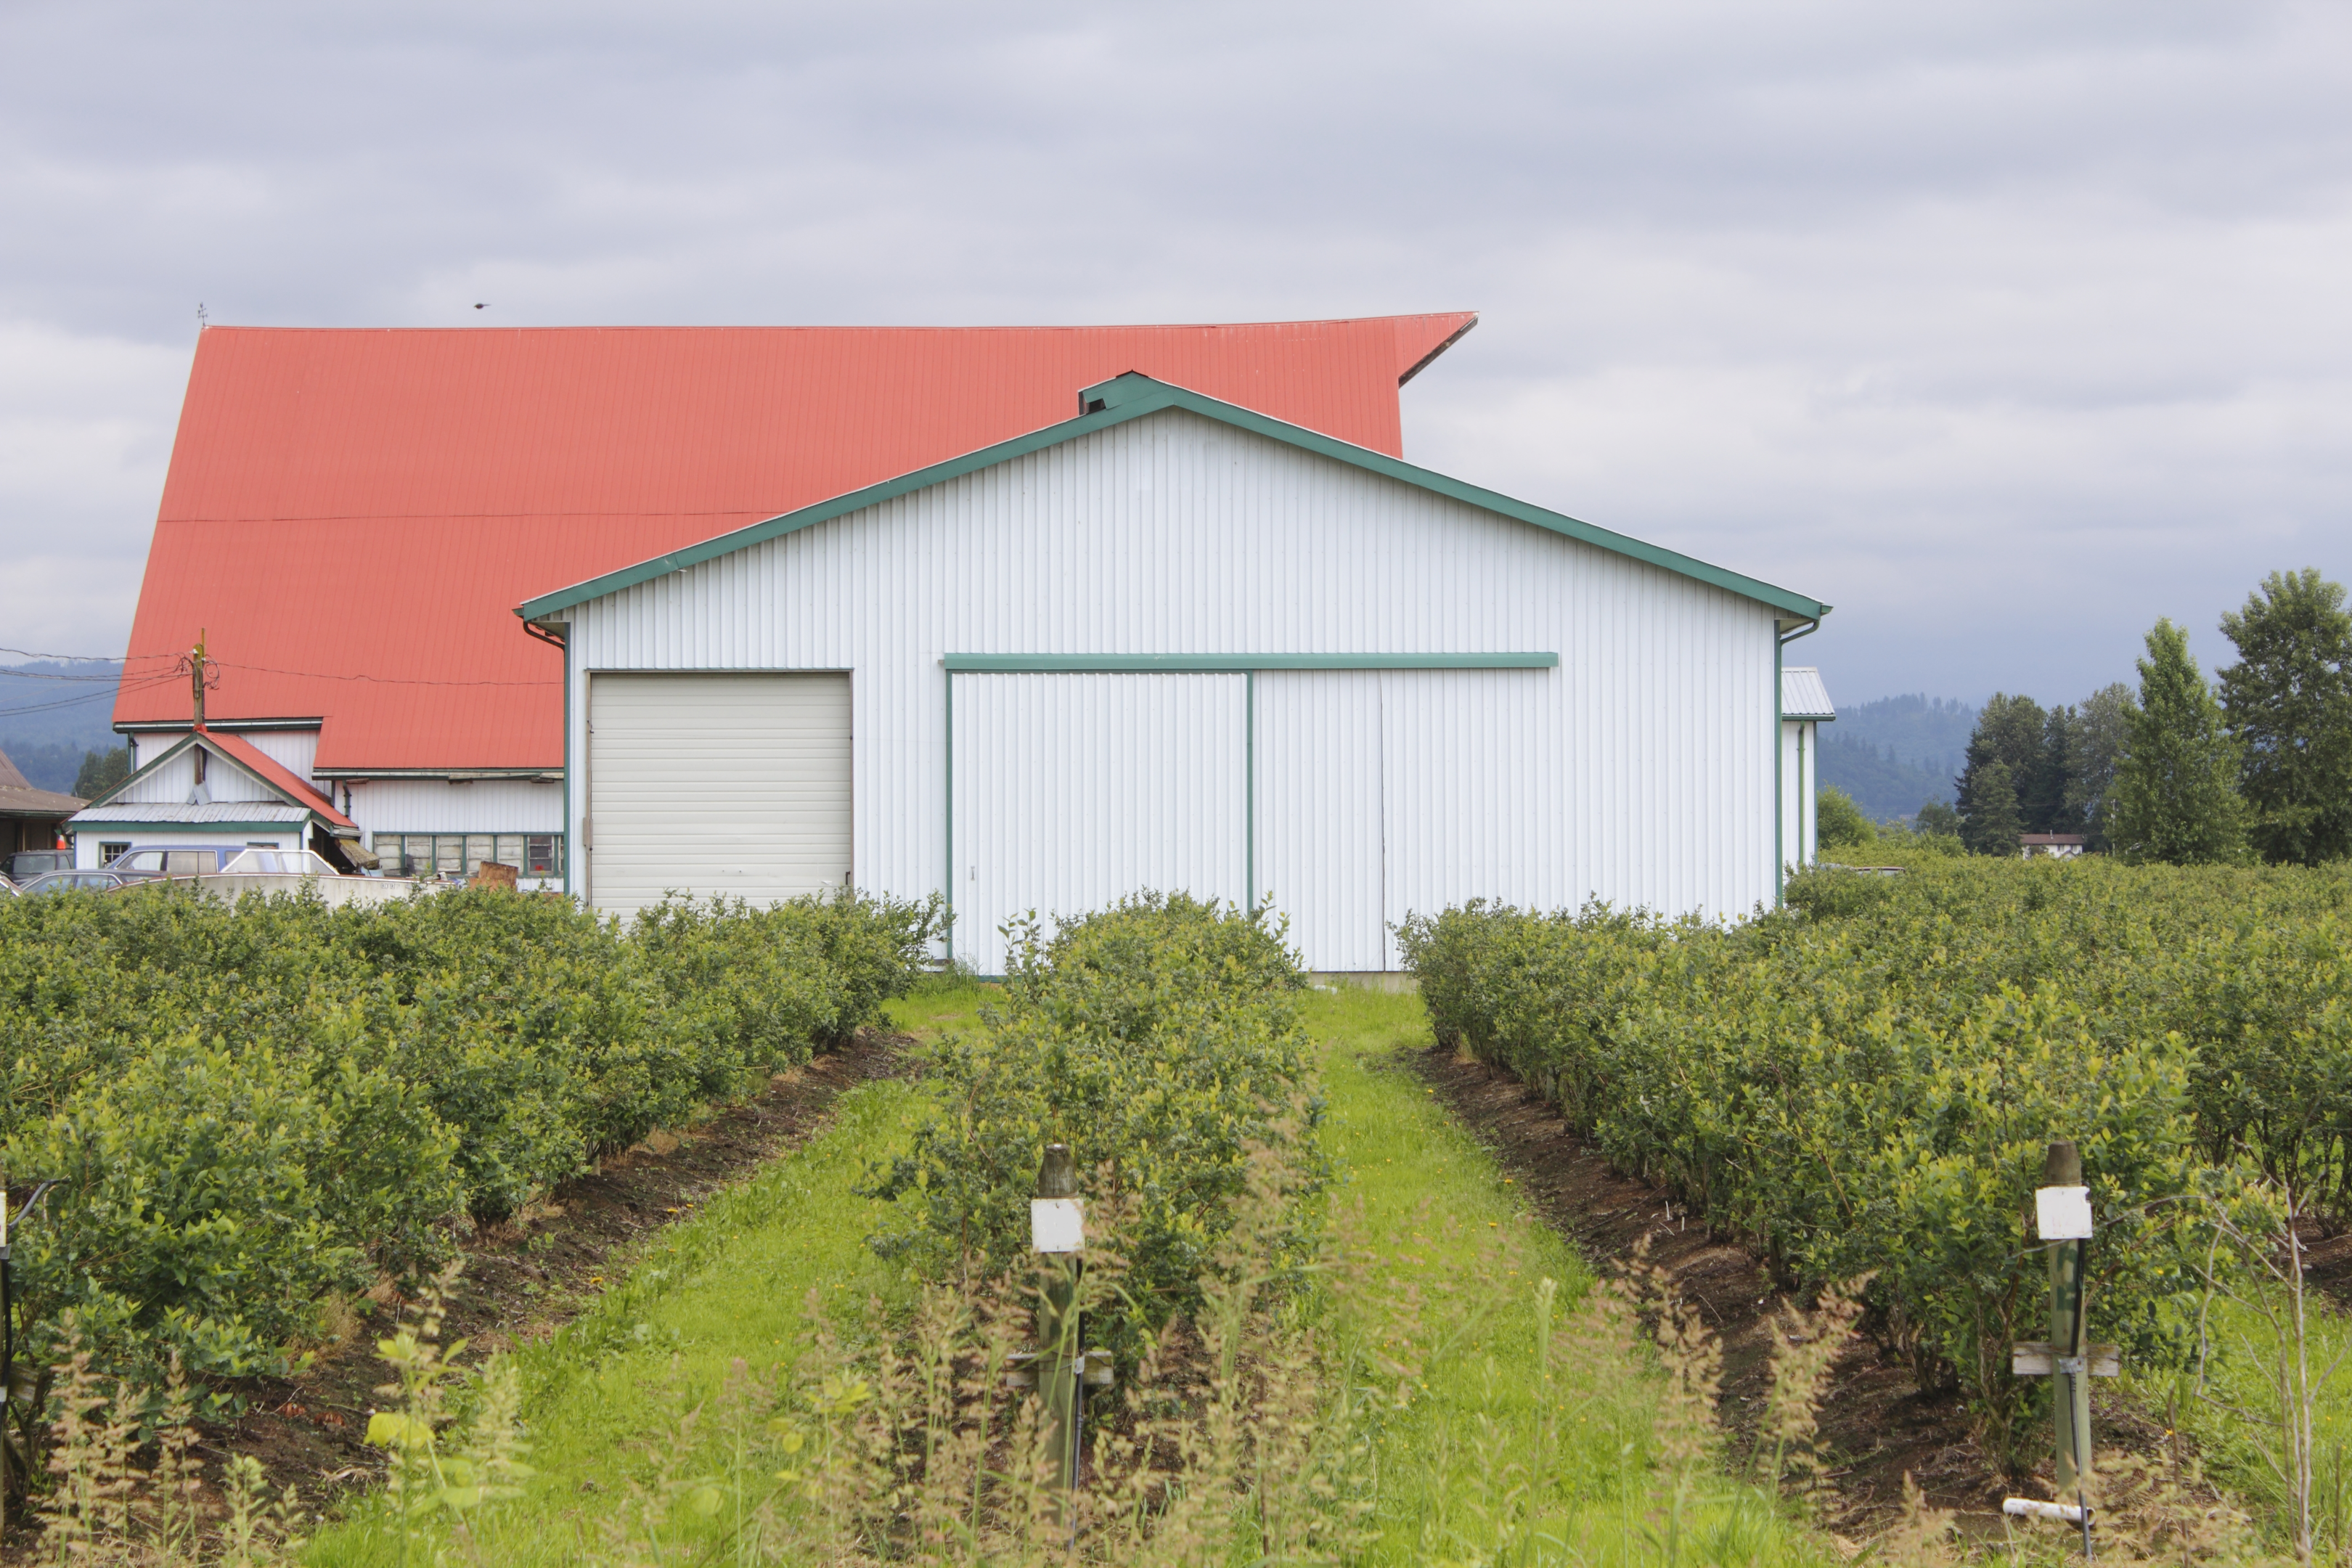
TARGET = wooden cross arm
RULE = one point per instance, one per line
(1020, 1369)
(2039, 1358)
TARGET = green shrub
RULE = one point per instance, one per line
(1158, 1040)
(1866, 1083)
(1838, 823)
(253, 1106)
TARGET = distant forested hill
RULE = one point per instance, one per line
(1897, 754)
(50, 714)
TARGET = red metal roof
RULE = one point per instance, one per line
(351, 516)
(298, 790)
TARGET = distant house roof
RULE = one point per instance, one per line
(1133, 396)
(18, 798)
(1803, 695)
(275, 793)
(2055, 839)
(350, 515)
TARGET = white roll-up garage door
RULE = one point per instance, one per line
(1074, 790)
(717, 783)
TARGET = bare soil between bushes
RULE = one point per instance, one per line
(526, 1277)
(1879, 1424)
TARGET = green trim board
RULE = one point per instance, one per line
(1134, 397)
(1229, 663)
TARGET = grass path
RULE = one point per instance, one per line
(1491, 1461)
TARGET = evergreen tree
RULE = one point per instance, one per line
(1992, 826)
(2289, 701)
(101, 771)
(2101, 732)
(2048, 796)
(2009, 732)
(2175, 793)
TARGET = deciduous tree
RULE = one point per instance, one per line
(2288, 701)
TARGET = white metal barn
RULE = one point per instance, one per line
(1173, 644)
(1804, 708)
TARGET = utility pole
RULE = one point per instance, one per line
(196, 678)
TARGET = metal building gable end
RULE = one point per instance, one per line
(1136, 396)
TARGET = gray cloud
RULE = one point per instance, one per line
(2007, 328)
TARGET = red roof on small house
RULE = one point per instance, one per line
(351, 516)
(298, 790)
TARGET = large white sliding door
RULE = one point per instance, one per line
(1072, 790)
(717, 783)
(1319, 850)
(1385, 794)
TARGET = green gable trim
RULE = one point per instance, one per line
(174, 750)
(1133, 396)
(1222, 663)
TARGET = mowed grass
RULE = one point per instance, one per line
(1491, 1459)
(733, 1283)
(1494, 1461)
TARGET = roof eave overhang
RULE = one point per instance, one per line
(225, 726)
(1134, 397)
(356, 772)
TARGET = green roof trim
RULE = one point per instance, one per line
(1222, 663)
(174, 750)
(1135, 396)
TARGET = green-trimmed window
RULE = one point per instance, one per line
(460, 854)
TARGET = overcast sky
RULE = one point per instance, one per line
(2006, 327)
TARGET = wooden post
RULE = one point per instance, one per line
(2070, 1389)
(1056, 1231)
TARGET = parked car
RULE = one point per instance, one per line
(72, 882)
(145, 862)
(279, 863)
(27, 864)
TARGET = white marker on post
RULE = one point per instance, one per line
(1057, 1225)
(2063, 1213)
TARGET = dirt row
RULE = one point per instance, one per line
(1877, 1420)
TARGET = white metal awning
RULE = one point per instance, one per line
(1803, 695)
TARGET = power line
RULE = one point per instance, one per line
(378, 679)
(85, 658)
(140, 683)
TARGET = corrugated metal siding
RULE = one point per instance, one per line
(1800, 782)
(1072, 790)
(465, 470)
(294, 750)
(170, 783)
(1652, 743)
(214, 811)
(483, 805)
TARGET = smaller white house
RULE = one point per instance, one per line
(213, 790)
(1804, 708)
(2049, 845)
